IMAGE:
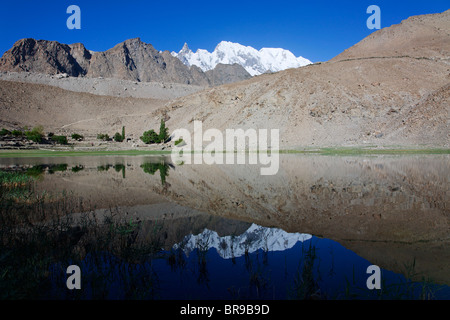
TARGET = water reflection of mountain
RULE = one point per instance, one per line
(391, 210)
(253, 239)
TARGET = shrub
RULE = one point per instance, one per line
(178, 141)
(118, 137)
(59, 139)
(36, 135)
(77, 137)
(38, 129)
(104, 137)
(14, 179)
(33, 137)
(35, 171)
(17, 133)
(150, 137)
(4, 132)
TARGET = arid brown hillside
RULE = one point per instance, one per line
(390, 89)
(66, 112)
(425, 36)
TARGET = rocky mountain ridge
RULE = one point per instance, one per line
(129, 60)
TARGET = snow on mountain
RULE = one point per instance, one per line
(255, 238)
(254, 61)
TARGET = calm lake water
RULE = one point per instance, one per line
(141, 227)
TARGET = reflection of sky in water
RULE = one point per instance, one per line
(276, 264)
(339, 274)
(316, 267)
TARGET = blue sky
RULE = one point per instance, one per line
(317, 30)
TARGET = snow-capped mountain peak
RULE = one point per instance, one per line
(185, 48)
(256, 62)
(255, 238)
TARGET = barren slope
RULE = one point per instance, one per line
(390, 89)
(378, 101)
(418, 36)
(65, 112)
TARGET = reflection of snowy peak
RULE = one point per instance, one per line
(255, 238)
(254, 61)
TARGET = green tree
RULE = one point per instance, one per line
(123, 133)
(163, 132)
(150, 137)
(4, 132)
(36, 134)
(118, 137)
(17, 133)
(103, 136)
(59, 139)
(77, 136)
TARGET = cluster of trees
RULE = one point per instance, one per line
(5, 132)
(58, 139)
(37, 135)
(150, 137)
(117, 136)
(103, 136)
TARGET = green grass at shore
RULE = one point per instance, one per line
(369, 151)
(319, 151)
(60, 153)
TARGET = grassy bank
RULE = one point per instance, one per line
(60, 153)
(319, 151)
(369, 151)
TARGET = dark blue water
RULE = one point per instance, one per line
(33, 266)
(314, 269)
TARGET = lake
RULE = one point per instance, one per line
(142, 227)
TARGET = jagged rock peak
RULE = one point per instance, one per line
(131, 59)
